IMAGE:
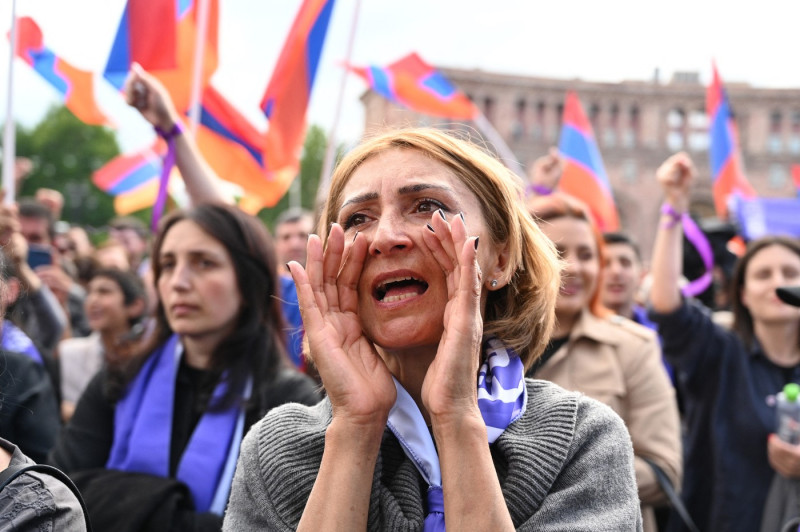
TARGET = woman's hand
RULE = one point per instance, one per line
(783, 457)
(675, 175)
(449, 390)
(356, 379)
(144, 92)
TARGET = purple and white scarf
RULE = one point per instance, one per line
(143, 431)
(502, 398)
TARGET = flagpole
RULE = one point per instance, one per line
(505, 153)
(9, 132)
(197, 72)
(330, 150)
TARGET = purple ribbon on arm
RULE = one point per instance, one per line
(166, 169)
(698, 239)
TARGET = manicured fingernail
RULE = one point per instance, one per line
(355, 236)
(476, 242)
(441, 213)
(430, 228)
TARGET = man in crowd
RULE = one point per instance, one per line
(292, 228)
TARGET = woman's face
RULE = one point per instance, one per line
(576, 244)
(105, 306)
(197, 286)
(769, 268)
(402, 290)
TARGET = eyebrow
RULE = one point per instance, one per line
(409, 189)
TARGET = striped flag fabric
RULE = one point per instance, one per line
(288, 92)
(584, 175)
(727, 177)
(416, 85)
(75, 86)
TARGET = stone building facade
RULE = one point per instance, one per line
(637, 124)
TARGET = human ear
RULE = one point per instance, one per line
(495, 276)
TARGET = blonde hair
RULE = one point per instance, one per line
(522, 313)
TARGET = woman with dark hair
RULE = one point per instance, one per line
(216, 363)
(115, 306)
(608, 357)
(728, 379)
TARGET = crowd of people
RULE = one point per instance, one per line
(440, 347)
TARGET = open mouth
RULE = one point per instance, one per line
(399, 288)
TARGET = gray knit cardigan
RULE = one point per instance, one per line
(566, 465)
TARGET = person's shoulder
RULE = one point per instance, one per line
(622, 329)
(37, 499)
(78, 346)
(283, 427)
(549, 402)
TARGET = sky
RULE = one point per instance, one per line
(609, 40)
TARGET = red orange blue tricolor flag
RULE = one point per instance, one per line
(584, 175)
(413, 83)
(75, 86)
(131, 178)
(287, 95)
(146, 35)
(169, 58)
(727, 177)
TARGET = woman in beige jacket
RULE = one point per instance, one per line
(607, 357)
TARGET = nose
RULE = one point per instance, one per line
(179, 276)
(390, 234)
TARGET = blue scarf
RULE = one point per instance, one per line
(502, 398)
(14, 339)
(143, 430)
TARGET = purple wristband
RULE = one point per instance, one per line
(176, 130)
(698, 239)
(675, 216)
(540, 190)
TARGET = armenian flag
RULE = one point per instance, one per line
(132, 179)
(75, 86)
(173, 64)
(727, 177)
(287, 95)
(584, 174)
(416, 85)
(146, 35)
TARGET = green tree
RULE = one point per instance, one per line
(316, 142)
(65, 152)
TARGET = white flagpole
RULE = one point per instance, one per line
(330, 151)
(505, 153)
(9, 133)
(197, 72)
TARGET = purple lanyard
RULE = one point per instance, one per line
(698, 239)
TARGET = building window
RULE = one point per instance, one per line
(778, 176)
(594, 116)
(537, 129)
(560, 115)
(488, 108)
(775, 137)
(612, 128)
(630, 171)
(676, 129)
(698, 131)
(519, 128)
(630, 137)
(794, 137)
